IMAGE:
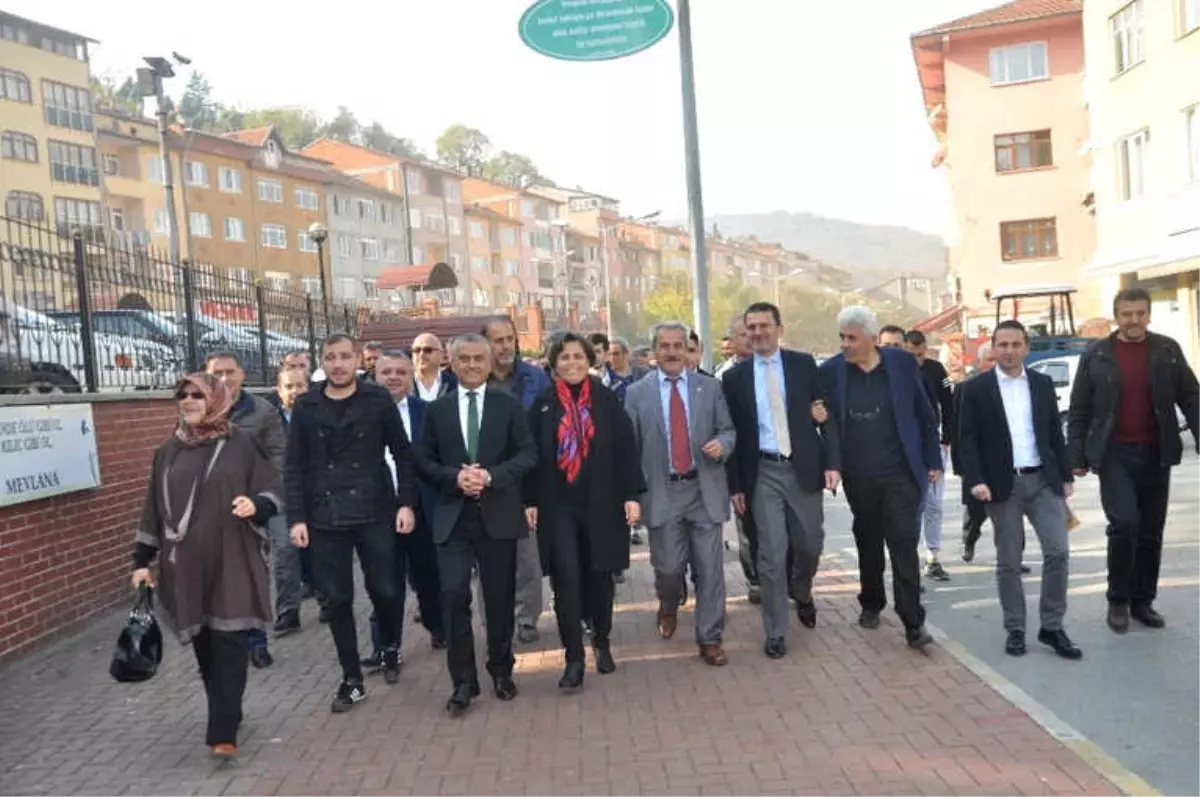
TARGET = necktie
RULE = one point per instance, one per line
(779, 420)
(681, 447)
(472, 426)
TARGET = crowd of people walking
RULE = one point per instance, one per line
(469, 474)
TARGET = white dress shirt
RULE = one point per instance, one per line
(406, 419)
(429, 394)
(1018, 410)
(480, 392)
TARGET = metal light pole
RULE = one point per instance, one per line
(150, 84)
(608, 324)
(695, 203)
(320, 234)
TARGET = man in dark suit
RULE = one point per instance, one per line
(779, 468)
(1014, 460)
(890, 454)
(475, 448)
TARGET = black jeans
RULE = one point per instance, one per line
(579, 591)
(1134, 488)
(885, 512)
(224, 657)
(416, 562)
(497, 559)
(333, 567)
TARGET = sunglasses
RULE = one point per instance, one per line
(424, 350)
(189, 394)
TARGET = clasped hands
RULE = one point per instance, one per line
(472, 479)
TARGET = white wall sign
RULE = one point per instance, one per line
(45, 451)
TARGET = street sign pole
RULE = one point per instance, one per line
(691, 142)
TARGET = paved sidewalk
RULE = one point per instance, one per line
(848, 711)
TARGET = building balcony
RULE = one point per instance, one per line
(122, 185)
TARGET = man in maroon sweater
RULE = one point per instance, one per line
(1122, 426)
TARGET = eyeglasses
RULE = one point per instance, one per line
(424, 349)
(189, 394)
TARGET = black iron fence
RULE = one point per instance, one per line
(82, 311)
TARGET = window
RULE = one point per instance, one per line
(116, 219)
(370, 248)
(1189, 16)
(475, 229)
(1018, 63)
(391, 251)
(456, 261)
(311, 286)
(67, 106)
(342, 206)
(435, 221)
(1191, 135)
(274, 236)
(526, 208)
(455, 224)
(307, 244)
(345, 245)
(242, 275)
(414, 218)
(200, 225)
(162, 221)
(195, 173)
(71, 163)
(77, 213)
(1131, 164)
(18, 146)
(24, 205)
(418, 255)
(366, 210)
(1028, 240)
(509, 236)
(451, 192)
(278, 281)
(387, 213)
(369, 289)
(1127, 36)
(154, 169)
(235, 230)
(112, 165)
(1059, 372)
(412, 178)
(306, 199)
(511, 268)
(270, 191)
(1017, 151)
(479, 263)
(14, 86)
(229, 180)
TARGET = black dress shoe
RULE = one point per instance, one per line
(504, 687)
(918, 638)
(323, 615)
(1118, 617)
(1026, 570)
(287, 623)
(460, 699)
(754, 594)
(604, 660)
(807, 613)
(1061, 643)
(260, 657)
(775, 648)
(1144, 613)
(438, 642)
(868, 619)
(572, 677)
(1015, 644)
(968, 549)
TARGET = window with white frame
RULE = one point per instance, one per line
(200, 224)
(434, 220)
(195, 173)
(116, 219)
(71, 163)
(1189, 16)
(1126, 27)
(14, 86)
(306, 241)
(307, 199)
(112, 165)
(311, 286)
(414, 218)
(1019, 63)
(526, 209)
(24, 205)
(274, 236)
(347, 288)
(450, 191)
(387, 213)
(455, 225)
(511, 268)
(508, 236)
(278, 280)
(67, 106)
(345, 245)
(229, 180)
(412, 178)
(370, 291)
(242, 275)
(1131, 164)
(366, 209)
(370, 248)
(154, 169)
(479, 263)
(235, 230)
(475, 229)
(391, 251)
(418, 256)
(162, 221)
(1191, 136)
(343, 206)
(270, 191)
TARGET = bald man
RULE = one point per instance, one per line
(430, 380)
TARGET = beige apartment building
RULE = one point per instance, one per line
(1143, 94)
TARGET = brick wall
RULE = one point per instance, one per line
(65, 558)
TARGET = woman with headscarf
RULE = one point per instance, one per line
(582, 498)
(210, 496)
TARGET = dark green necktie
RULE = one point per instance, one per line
(472, 426)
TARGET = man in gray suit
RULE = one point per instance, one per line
(684, 437)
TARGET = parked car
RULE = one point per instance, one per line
(1062, 370)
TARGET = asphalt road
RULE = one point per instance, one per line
(1137, 696)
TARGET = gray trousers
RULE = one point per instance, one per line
(529, 582)
(931, 516)
(1032, 499)
(785, 513)
(285, 558)
(690, 535)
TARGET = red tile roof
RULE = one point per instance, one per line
(1009, 13)
(434, 276)
(401, 332)
(255, 136)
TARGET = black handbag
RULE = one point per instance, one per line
(139, 648)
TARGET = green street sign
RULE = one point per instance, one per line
(594, 30)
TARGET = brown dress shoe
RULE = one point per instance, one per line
(666, 625)
(714, 655)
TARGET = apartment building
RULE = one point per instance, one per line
(1004, 93)
(586, 266)
(431, 197)
(494, 255)
(1143, 94)
(367, 233)
(49, 167)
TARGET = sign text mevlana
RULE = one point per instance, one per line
(45, 451)
(595, 30)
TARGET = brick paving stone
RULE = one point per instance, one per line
(847, 712)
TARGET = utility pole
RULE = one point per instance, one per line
(607, 282)
(695, 202)
(150, 83)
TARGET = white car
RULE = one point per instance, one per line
(1062, 370)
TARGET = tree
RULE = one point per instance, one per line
(297, 127)
(511, 168)
(196, 108)
(463, 148)
(377, 137)
(124, 97)
(343, 127)
(672, 301)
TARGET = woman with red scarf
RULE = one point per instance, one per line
(582, 498)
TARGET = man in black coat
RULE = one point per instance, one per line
(476, 448)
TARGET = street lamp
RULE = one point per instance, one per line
(150, 84)
(781, 277)
(319, 234)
